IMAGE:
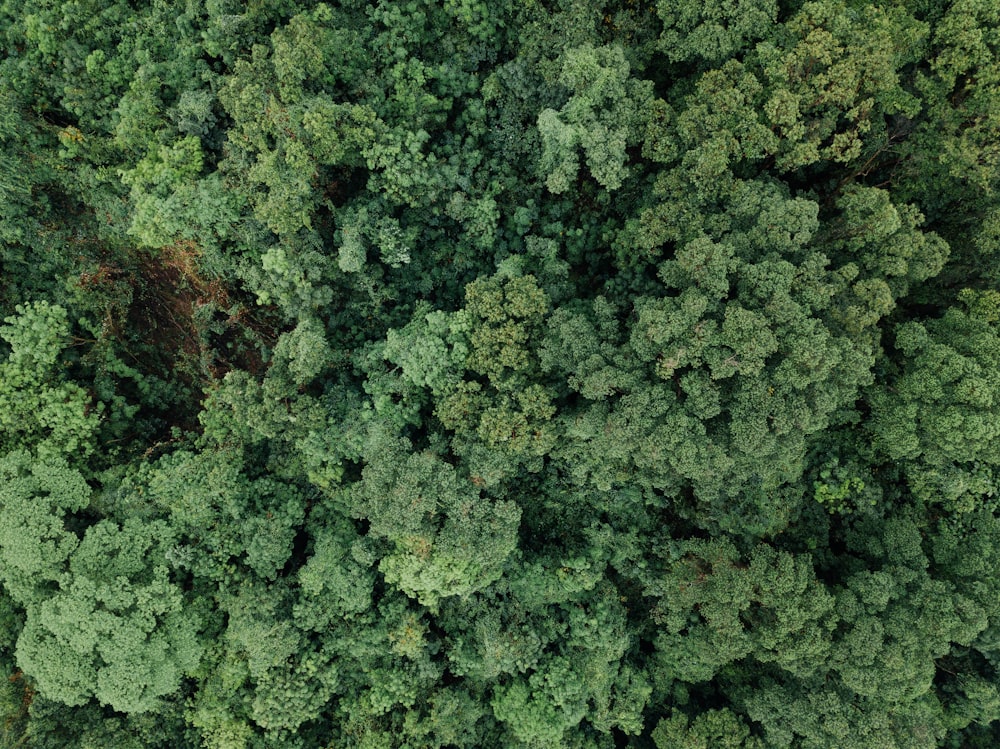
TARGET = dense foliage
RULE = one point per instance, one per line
(500, 373)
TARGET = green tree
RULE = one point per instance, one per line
(116, 629)
(937, 418)
(446, 538)
(713, 31)
(42, 410)
(603, 116)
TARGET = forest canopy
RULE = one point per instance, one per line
(556, 374)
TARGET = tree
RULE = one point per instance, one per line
(446, 538)
(116, 629)
(714, 611)
(42, 410)
(713, 32)
(603, 116)
(937, 418)
(38, 495)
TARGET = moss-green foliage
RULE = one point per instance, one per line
(43, 410)
(566, 374)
